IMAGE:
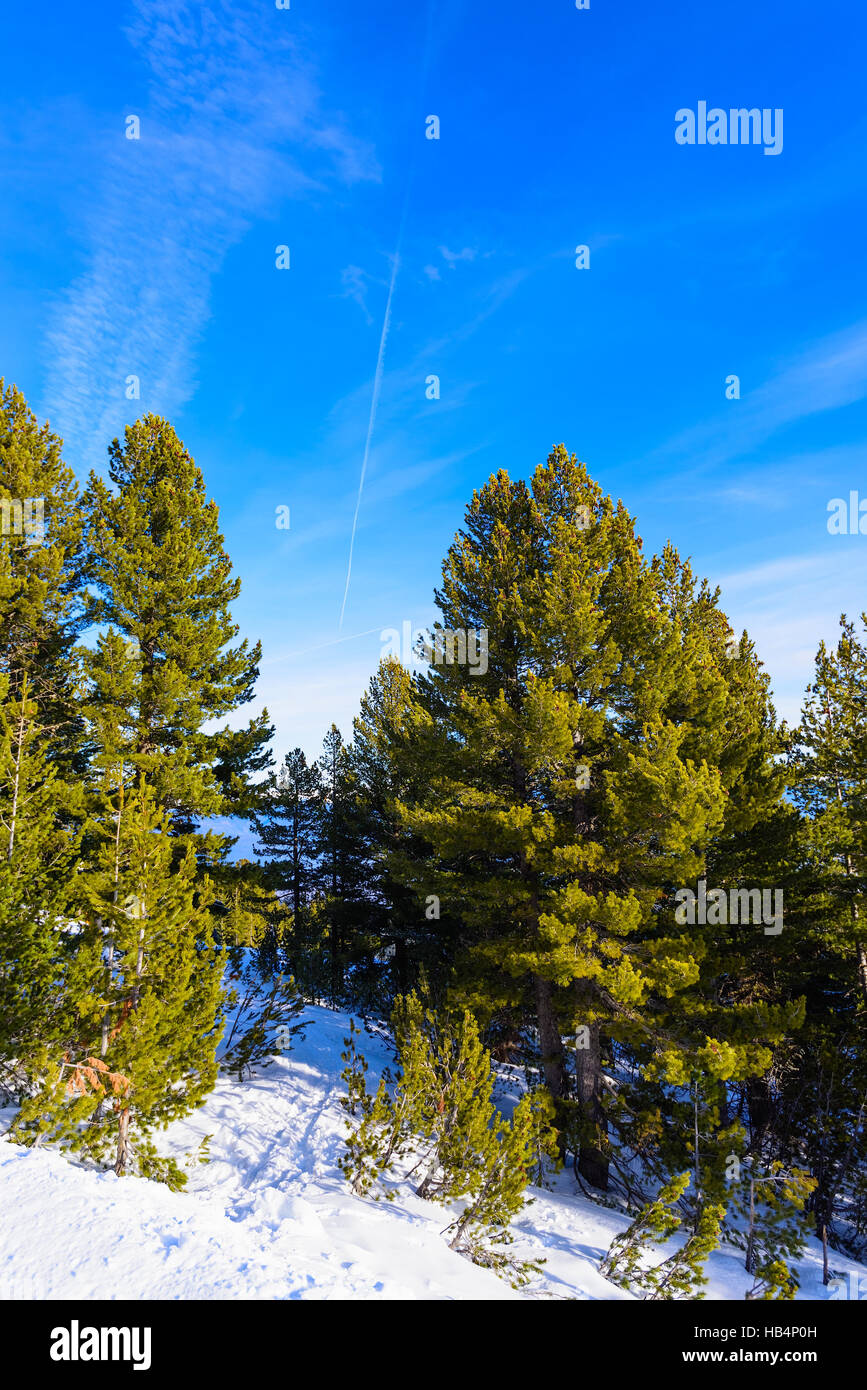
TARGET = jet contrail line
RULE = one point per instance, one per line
(386, 322)
(305, 651)
(374, 402)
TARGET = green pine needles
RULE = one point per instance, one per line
(439, 1121)
(679, 1275)
(111, 966)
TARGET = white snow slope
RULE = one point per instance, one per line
(270, 1216)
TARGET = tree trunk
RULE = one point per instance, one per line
(296, 879)
(123, 1126)
(592, 1163)
(823, 1206)
(759, 1108)
(109, 963)
(862, 966)
(401, 966)
(334, 964)
(860, 955)
(750, 1261)
(13, 817)
(122, 1139)
(550, 1042)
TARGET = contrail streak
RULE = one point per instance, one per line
(377, 383)
(290, 656)
(380, 360)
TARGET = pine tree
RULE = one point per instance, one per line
(144, 988)
(162, 579)
(821, 1108)
(446, 1066)
(152, 1017)
(498, 1191)
(38, 855)
(42, 568)
(384, 760)
(624, 1261)
(341, 862)
(772, 1205)
(287, 830)
(680, 1274)
(442, 1115)
(41, 615)
(830, 773)
(357, 1098)
(582, 778)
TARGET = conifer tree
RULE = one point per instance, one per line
(581, 778)
(42, 565)
(386, 767)
(821, 1105)
(680, 1274)
(771, 1204)
(162, 579)
(287, 828)
(38, 854)
(341, 861)
(442, 1115)
(497, 1187)
(829, 767)
(354, 1073)
(152, 1015)
(624, 1261)
(41, 614)
(143, 991)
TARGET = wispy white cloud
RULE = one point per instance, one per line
(828, 375)
(451, 258)
(354, 281)
(788, 605)
(233, 121)
(781, 573)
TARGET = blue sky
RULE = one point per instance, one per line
(306, 127)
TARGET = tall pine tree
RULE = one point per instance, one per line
(162, 579)
(582, 778)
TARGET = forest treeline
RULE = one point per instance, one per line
(516, 843)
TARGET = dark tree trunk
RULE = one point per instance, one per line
(823, 1205)
(550, 1042)
(592, 1163)
(401, 966)
(335, 964)
(759, 1107)
(122, 1142)
(822, 1235)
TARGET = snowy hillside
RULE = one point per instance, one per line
(270, 1216)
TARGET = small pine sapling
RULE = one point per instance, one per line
(678, 1276)
(777, 1228)
(266, 1014)
(656, 1222)
(354, 1073)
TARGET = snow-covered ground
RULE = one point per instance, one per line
(270, 1216)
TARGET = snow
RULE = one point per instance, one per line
(271, 1215)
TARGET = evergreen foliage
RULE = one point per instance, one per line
(679, 1275)
(519, 832)
(441, 1114)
